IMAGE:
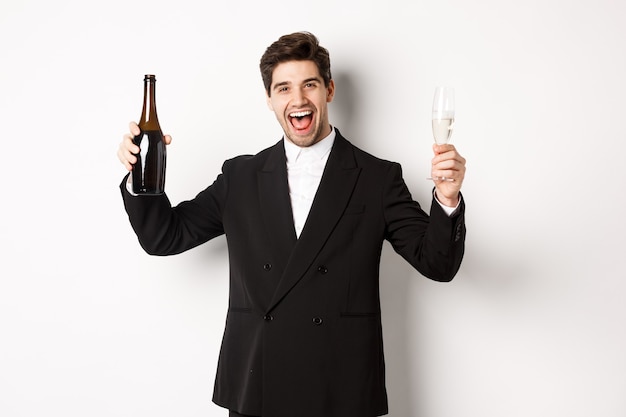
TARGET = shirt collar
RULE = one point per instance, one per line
(320, 149)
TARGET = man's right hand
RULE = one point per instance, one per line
(127, 149)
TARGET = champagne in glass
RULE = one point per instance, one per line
(442, 130)
(443, 118)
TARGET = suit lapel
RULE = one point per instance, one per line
(273, 189)
(331, 199)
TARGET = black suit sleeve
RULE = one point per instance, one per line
(435, 244)
(166, 230)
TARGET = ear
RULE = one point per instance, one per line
(330, 91)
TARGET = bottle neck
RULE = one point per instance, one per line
(149, 119)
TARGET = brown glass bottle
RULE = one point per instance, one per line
(148, 175)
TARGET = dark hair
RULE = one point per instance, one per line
(299, 46)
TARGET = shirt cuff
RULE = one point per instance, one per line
(449, 210)
(129, 187)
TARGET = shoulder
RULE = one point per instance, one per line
(272, 155)
(362, 158)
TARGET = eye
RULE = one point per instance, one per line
(281, 88)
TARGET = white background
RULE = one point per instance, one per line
(534, 323)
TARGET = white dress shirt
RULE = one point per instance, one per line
(305, 167)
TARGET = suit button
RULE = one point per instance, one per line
(267, 267)
(322, 269)
(317, 321)
(268, 317)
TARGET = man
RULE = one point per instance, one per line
(305, 221)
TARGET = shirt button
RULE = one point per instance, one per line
(322, 269)
(267, 267)
(268, 317)
(317, 321)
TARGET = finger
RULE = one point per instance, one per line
(438, 149)
(444, 175)
(449, 163)
(448, 156)
(454, 167)
(134, 128)
(445, 163)
(127, 150)
(129, 145)
(453, 175)
(126, 158)
(127, 154)
(167, 139)
(449, 168)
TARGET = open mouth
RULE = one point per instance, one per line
(301, 120)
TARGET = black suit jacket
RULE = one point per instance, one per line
(303, 333)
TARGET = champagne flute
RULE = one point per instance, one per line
(443, 119)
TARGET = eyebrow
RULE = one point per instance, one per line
(308, 80)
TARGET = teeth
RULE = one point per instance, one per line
(300, 114)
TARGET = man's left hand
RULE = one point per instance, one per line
(449, 164)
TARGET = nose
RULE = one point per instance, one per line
(298, 97)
